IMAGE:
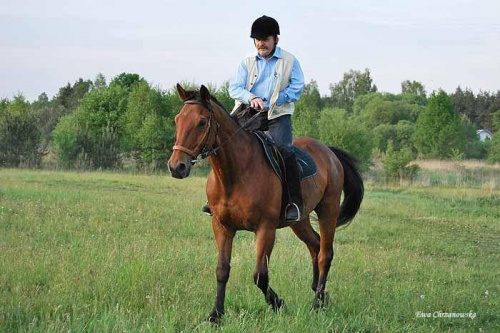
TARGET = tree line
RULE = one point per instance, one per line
(93, 124)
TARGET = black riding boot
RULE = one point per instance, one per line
(293, 210)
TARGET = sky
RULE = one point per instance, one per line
(44, 44)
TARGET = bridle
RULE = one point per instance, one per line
(205, 151)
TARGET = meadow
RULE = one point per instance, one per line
(116, 252)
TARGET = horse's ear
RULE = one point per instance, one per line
(182, 93)
(204, 93)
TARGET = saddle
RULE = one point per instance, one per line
(307, 166)
(250, 120)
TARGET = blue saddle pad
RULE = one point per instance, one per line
(307, 166)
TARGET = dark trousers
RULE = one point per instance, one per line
(280, 129)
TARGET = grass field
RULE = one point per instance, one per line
(102, 252)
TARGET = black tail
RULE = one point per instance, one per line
(353, 187)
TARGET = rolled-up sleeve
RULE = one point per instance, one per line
(294, 90)
(238, 83)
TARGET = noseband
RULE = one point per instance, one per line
(204, 152)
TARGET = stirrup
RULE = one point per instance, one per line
(292, 215)
(206, 209)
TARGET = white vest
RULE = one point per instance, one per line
(284, 67)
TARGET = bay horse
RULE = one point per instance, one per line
(244, 193)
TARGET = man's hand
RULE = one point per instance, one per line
(257, 103)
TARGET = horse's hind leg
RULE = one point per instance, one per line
(327, 214)
(265, 244)
(306, 233)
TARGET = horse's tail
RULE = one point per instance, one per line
(353, 187)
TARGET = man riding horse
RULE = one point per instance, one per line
(270, 81)
(242, 188)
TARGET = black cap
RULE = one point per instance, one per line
(263, 27)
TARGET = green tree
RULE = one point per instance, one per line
(353, 85)
(494, 145)
(413, 88)
(99, 82)
(439, 132)
(307, 112)
(148, 125)
(19, 135)
(495, 119)
(494, 149)
(474, 148)
(47, 119)
(70, 96)
(338, 129)
(4, 103)
(400, 134)
(379, 111)
(126, 80)
(222, 95)
(41, 102)
(63, 97)
(464, 102)
(66, 137)
(98, 129)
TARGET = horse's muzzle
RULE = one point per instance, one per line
(179, 170)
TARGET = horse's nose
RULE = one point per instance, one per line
(180, 171)
(181, 168)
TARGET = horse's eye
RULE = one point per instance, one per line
(202, 123)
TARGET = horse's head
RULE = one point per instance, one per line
(195, 130)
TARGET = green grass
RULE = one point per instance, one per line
(102, 252)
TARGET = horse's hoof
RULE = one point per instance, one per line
(321, 301)
(278, 304)
(215, 317)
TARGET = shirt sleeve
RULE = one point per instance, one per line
(238, 84)
(294, 90)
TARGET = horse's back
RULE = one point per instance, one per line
(324, 157)
(329, 179)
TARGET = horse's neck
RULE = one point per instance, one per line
(236, 156)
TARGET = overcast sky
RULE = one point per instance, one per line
(442, 43)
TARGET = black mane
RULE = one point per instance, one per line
(196, 96)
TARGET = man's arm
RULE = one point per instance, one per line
(294, 90)
(238, 84)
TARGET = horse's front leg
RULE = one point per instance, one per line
(224, 238)
(265, 243)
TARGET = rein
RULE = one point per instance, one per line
(204, 153)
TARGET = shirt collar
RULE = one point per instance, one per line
(277, 54)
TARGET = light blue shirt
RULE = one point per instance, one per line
(266, 81)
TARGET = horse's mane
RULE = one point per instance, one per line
(240, 117)
(196, 96)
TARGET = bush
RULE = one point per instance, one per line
(396, 163)
(65, 137)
